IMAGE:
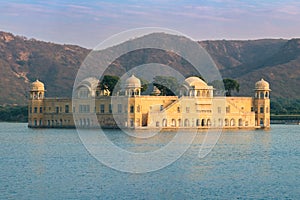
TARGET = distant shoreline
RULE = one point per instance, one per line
(285, 119)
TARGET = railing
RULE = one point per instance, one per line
(173, 103)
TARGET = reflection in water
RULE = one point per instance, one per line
(54, 164)
(36, 153)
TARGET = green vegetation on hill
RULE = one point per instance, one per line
(285, 106)
(167, 85)
(14, 113)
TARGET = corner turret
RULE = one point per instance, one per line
(262, 104)
(36, 104)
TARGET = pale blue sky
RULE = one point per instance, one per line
(87, 23)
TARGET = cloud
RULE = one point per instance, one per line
(215, 18)
(22, 7)
(289, 9)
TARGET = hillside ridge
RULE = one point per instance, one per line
(24, 60)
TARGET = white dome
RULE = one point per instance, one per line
(132, 82)
(262, 85)
(37, 86)
(91, 83)
(195, 82)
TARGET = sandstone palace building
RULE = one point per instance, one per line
(195, 107)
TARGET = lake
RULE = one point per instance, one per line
(54, 164)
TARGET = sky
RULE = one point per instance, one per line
(88, 23)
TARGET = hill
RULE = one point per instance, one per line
(277, 61)
(23, 60)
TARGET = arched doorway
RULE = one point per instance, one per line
(186, 123)
(261, 122)
(203, 122)
(226, 122)
(220, 123)
(173, 123)
(198, 122)
(164, 123)
(240, 122)
(179, 122)
(208, 122)
(232, 122)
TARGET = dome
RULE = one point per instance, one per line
(262, 85)
(87, 87)
(91, 83)
(37, 86)
(195, 82)
(132, 82)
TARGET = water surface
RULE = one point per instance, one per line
(54, 164)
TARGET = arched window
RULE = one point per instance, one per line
(198, 122)
(267, 95)
(83, 92)
(131, 109)
(262, 95)
(207, 94)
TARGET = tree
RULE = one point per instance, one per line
(218, 87)
(108, 82)
(230, 85)
(167, 85)
(144, 84)
(14, 113)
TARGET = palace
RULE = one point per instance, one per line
(195, 107)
